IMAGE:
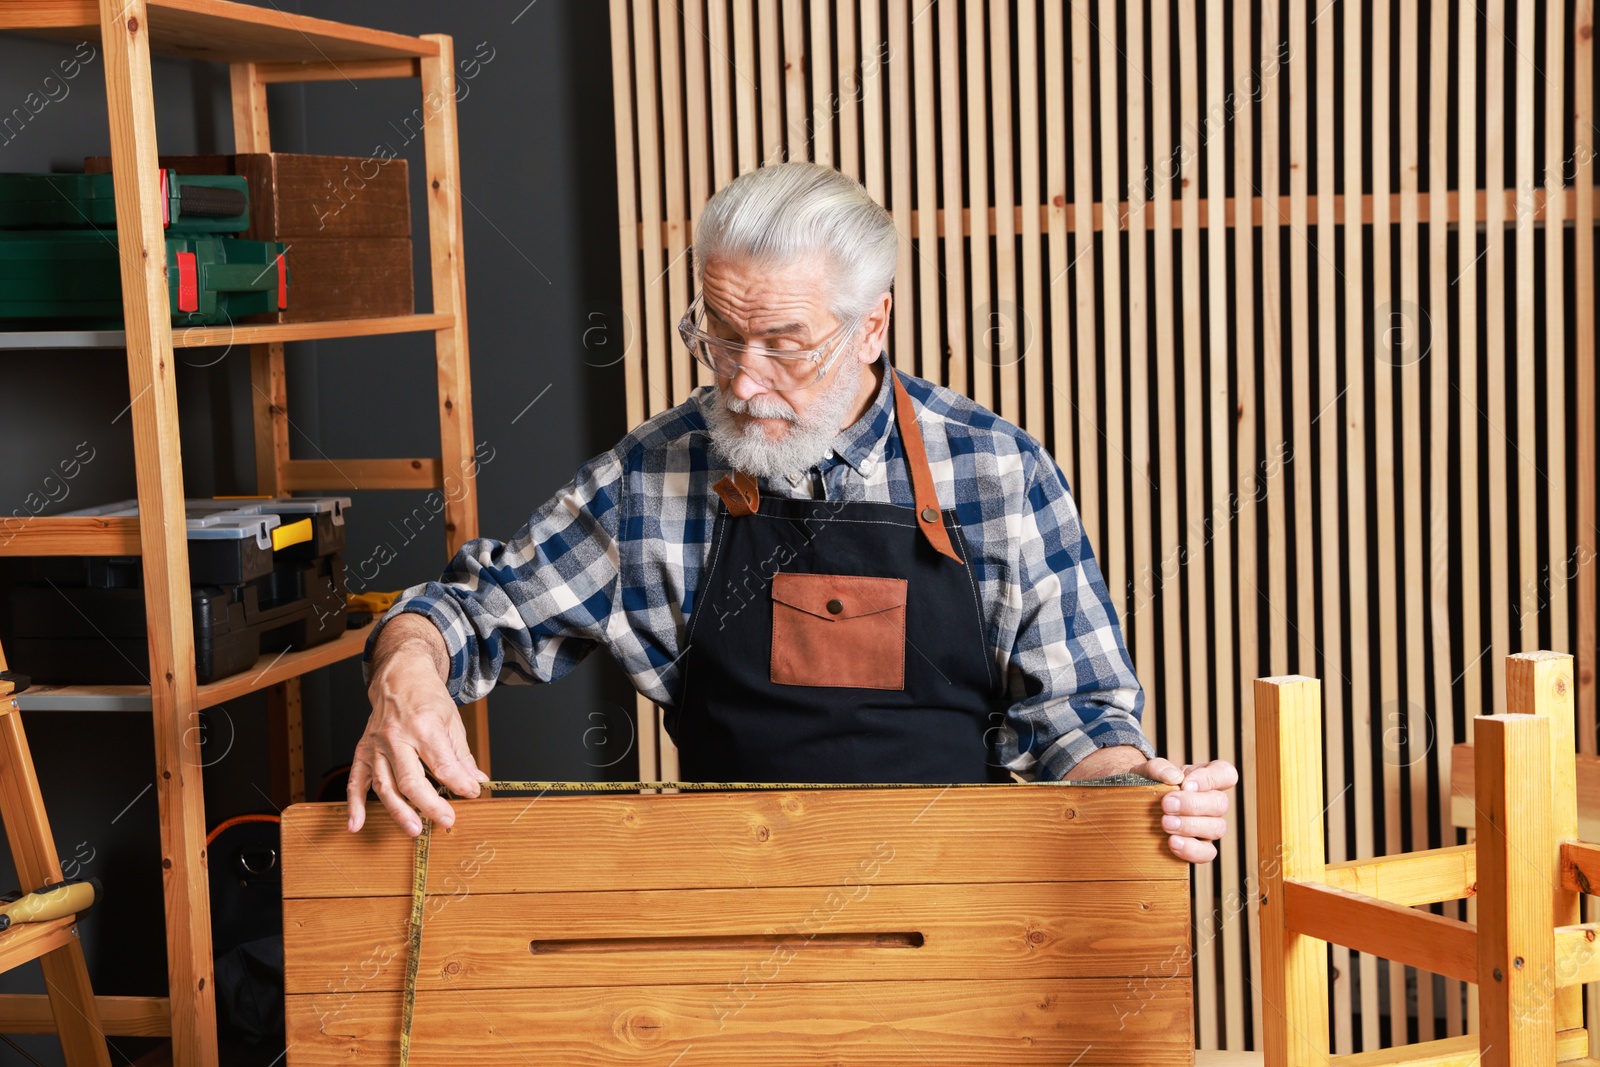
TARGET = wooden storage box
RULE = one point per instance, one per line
(346, 220)
(1008, 924)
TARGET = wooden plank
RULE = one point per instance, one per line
(852, 74)
(1272, 358)
(889, 1024)
(222, 32)
(797, 136)
(1249, 478)
(1554, 409)
(1528, 605)
(744, 45)
(158, 469)
(1494, 261)
(346, 474)
(1540, 683)
(1580, 867)
(873, 148)
(1419, 938)
(1069, 452)
(867, 933)
(767, 39)
(1113, 550)
(627, 206)
(983, 355)
(1327, 423)
(674, 208)
(54, 535)
(1192, 477)
(1294, 1022)
(1004, 312)
(950, 160)
(276, 668)
(286, 756)
(1138, 621)
(722, 70)
(27, 942)
(1462, 791)
(1081, 277)
(327, 71)
(824, 98)
(1413, 878)
(904, 326)
(279, 332)
(1459, 1051)
(1466, 282)
(269, 409)
(1031, 307)
(661, 841)
(1583, 350)
(921, 117)
(658, 397)
(1515, 917)
(29, 1013)
(1576, 961)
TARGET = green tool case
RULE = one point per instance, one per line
(74, 274)
(190, 203)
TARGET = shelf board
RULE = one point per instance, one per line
(220, 31)
(268, 670)
(234, 333)
(29, 941)
(62, 535)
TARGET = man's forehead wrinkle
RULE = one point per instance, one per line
(768, 307)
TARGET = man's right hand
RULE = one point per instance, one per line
(413, 722)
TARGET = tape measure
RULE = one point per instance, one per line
(419, 867)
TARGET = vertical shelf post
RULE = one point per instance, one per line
(125, 34)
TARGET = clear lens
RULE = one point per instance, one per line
(772, 370)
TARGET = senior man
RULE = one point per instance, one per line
(825, 570)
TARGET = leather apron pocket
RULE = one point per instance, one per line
(839, 631)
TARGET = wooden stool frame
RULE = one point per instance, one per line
(1527, 954)
(55, 943)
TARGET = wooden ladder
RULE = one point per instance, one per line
(1527, 954)
(54, 943)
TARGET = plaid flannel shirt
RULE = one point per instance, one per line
(616, 557)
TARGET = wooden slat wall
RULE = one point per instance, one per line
(1275, 284)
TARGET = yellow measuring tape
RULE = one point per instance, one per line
(419, 868)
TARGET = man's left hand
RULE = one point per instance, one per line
(1193, 815)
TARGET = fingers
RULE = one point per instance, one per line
(451, 760)
(1192, 851)
(355, 793)
(416, 788)
(1218, 774)
(1188, 802)
(1201, 827)
(1161, 770)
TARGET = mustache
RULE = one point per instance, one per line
(761, 408)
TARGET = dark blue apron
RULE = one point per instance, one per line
(836, 641)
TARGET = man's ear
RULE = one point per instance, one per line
(876, 322)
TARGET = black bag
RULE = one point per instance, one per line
(247, 927)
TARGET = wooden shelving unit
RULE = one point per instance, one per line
(261, 45)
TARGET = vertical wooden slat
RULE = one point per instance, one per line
(1272, 356)
(1216, 529)
(674, 208)
(1081, 278)
(1555, 346)
(1356, 362)
(1326, 422)
(1007, 316)
(852, 73)
(744, 71)
(1299, 356)
(1249, 475)
(696, 129)
(1191, 533)
(768, 41)
(872, 147)
(1289, 725)
(627, 209)
(1032, 300)
(950, 160)
(1438, 370)
(1584, 380)
(1383, 473)
(797, 132)
(824, 95)
(983, 354)
(899, 135)
(1410, 351)
(1528, 604)
(723, 71)
(1113, 550)
(1494, 261)
(654, 330)
(1069, 452)
(931, 362)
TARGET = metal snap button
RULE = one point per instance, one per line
(930, 514)
(834, 607)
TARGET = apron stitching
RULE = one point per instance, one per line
(710, 569)
(972, 582)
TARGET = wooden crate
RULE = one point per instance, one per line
(1023, 924)
(346, 220)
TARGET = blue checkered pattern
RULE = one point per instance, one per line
(616, 557)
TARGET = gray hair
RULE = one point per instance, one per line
(778, 213)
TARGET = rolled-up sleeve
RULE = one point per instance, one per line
(1072, 683)
(531, 608)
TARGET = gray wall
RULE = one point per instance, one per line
(539, 186)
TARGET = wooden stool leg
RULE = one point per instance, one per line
(1516, 914)
(66, 975)
(1294, 968)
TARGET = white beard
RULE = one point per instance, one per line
(746, 447)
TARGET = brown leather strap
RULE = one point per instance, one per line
(929, 518)
(738, 491)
